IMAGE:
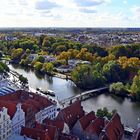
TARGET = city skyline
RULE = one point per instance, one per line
(70, 13)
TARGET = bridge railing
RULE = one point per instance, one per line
(82, 94)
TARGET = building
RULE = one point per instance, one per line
(59, 124)
(17, 115)
(6, 86)
(113, 130)
(91, 127)
(71, 114)
(64, 68)
(81, 125)
(53, 132)
(49, 58)
(93, 131)
(32, 57)
(18, 119)
(5, 124)
(35, 133)
(36, 107)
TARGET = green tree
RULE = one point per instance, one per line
(16, 53)
(135, 87)
(3, 68)
(87, 77)
(105, 113)
(40, 59)
(117, 88)
(113, 72)
(38, 66)
(23, 80)
(48, 67)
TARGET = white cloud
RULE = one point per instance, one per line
(89, 3)
(136, 12)
(65, 13)
(125, 1)
(45, 5)
(87, 10)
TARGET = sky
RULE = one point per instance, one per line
(69, 13)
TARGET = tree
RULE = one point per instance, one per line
(48, 67)
(117, 88)
(126, 50)
(1, 54)
(24, 62)
(113, 72)
(23, 80)
(73, 53)
(93, 48)
(3, 68)
(38, 66)
(87, 77)
(40, 59)
(130, 64)
(64, 56)
(60, 48)
(135, 87)
(104, 113)
(46, 42)
(16, 53)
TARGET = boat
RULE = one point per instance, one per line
(49, 92)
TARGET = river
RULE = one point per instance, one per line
(129, 111)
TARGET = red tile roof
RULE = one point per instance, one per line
(71, 114)
(35, 133)
(87, 119)
(28, 99)
(57, 123)
(10, 106)
(96, 126)
(52, 130)
(114, 130)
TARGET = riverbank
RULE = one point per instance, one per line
(67, 77)
(129, 111)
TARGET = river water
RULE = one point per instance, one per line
(129, 111)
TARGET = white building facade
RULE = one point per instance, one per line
(18, 120)
(48, 112)
(5, 124)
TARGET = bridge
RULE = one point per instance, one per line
(84, 95)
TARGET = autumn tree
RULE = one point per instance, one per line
(48, 68)
(16, 53)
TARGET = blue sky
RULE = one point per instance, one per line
(69, 13)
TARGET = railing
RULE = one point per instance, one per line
(82, 94)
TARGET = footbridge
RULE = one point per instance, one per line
(84, 95)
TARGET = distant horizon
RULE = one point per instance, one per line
(74, 27)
